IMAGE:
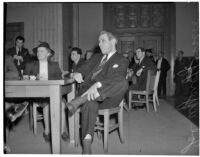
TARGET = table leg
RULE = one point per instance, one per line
(71, 118)
(55, 112)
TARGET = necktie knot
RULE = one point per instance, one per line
(104, 60)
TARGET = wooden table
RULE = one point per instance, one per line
(51, 88)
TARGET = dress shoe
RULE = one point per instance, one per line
(75, 103)
(47, 137)
(65, 136)
(87, 143)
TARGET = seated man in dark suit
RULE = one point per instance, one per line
(140, 69)
(76, 61)
(44, 69)
(104, 85)
(19, 54)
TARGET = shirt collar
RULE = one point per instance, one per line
(111, 54)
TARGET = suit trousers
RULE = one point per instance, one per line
(162, 86)
(89, 113)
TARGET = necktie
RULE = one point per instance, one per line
(19, 53)
(99, 68)
(104, 60)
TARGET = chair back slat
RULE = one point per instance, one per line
(150, 81)
(156, 80)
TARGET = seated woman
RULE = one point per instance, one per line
(44, 69)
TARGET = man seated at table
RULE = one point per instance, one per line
(44, 69)
(140, 70)
(103, 87)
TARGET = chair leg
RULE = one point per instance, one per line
(31, 116)
(154, 102)
(35, 118)
(98, 131)
(157, 100)
(147, 102)
(76, 127)
(130, 99)
(120, 121)
(106, 131)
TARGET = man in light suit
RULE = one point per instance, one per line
(19, 54)
(104, 85)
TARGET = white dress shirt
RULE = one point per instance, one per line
(159, 63)
(43, 71)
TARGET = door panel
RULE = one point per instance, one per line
(12, 31)
(151, 42)
(126, 44)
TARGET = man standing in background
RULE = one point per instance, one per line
(179, 68)
(20, 54)
(163, 66)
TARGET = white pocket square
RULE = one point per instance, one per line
(115, 66)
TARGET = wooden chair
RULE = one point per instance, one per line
(36, 117)
(105, 127)
(150, 91)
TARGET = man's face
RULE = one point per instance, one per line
(19, 43)
(88, 55)
(160, 55)
(180, 54)
(105, 44)
(74, 56)
(42, 53)
(139, 54)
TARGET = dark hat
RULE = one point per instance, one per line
(43, 44)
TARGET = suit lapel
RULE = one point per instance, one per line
(103, 68)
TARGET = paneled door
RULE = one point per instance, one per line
(151, 42)
(127, 43)
(12, 31)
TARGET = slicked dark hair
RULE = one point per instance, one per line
(78, 50)
(20, 38)
(141, 48)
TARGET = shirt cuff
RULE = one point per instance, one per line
(99, 84)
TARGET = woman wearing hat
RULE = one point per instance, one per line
(44, 69)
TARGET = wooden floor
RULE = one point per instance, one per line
(166, 132)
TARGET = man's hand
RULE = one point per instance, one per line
(138, 73)
(15, 57)
(92, 93)
(20, 58)
(78, 77)
(64, 73)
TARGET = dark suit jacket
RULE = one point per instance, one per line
(147, 64)
(112, 75)
(74, 66)
(25, 55)
(11, 72)
(54, 72)
(164, 67)
(178, 67)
